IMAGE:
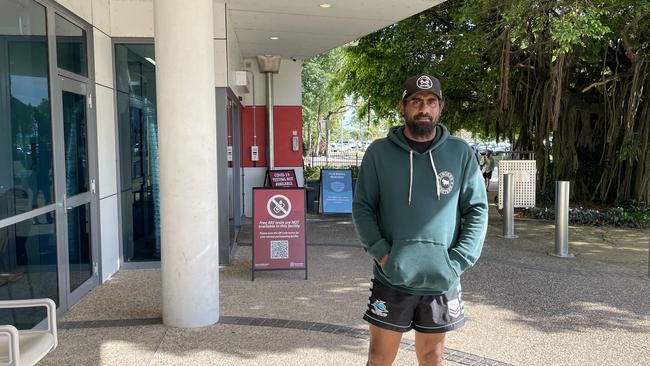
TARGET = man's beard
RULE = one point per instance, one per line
(421, 129)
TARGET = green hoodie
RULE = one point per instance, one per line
(432, 229)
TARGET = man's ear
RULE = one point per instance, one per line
(401, 108)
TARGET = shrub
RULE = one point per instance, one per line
(313, 173)
(630, 214)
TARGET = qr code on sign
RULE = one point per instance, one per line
(279, 249)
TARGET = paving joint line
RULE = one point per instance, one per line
(162, 339)
(407, 345)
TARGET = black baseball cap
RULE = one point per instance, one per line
(421, 83)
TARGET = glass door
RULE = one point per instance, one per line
(75, 158)
(28, 235)
(48, 159)
(79, 249)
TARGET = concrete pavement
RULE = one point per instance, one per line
(523, 307)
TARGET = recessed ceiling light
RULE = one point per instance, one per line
(325, 5)
(274, 38)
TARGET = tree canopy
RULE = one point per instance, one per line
(567, 79)
(320, 103)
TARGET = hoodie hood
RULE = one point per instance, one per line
(396, 135)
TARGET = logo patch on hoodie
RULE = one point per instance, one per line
(446, 180)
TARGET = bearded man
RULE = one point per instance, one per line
(420, 211)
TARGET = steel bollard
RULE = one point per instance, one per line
(562, 189)
(509, 207)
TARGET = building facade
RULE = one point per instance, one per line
(133, 131)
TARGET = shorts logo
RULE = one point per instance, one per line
(446, 180)
(454, 308)
(379, 308)
(424, 82)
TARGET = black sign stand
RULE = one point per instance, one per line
(269, 182)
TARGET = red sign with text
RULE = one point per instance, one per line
(279, 240)
(283, 178)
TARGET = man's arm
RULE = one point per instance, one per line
(365, 207)
(474, 211)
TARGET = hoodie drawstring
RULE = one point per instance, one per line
(435, 171)
(411, 176)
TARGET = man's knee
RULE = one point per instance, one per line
(380, 356)
(432, 357)
(383, 346)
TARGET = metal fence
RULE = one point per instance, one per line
(347, 158)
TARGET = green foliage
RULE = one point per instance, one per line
(630, 149)
(319, 99)
(569, 23)
(571, 71)
(631, 214)
(434, 42)
(313, 173)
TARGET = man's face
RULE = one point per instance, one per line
(421, 113)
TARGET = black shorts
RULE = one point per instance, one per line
(400, 312)
(487, 175)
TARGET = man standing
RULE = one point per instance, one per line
(487, 167)
(420, 210)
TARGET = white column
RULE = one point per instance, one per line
(188, 162)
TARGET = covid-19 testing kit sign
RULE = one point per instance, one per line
(279, 240)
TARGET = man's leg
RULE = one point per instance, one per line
(390, 313)
(429, 348)
(384, 345)
(434, 316)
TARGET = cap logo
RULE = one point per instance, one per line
(424, 82)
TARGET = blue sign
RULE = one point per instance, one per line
(336, 190)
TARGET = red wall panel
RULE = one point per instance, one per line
(286, 120)
(247, 135)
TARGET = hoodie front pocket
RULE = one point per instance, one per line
(422, 264)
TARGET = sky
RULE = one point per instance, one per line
(30, 90)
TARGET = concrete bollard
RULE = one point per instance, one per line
(562, 190)
(509, 206)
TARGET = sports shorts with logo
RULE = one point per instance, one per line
(394, 310)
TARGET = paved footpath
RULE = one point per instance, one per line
(523, 306)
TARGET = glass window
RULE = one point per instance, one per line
(75, 137)
(26, 169)
(28, 267)
(71, 51)
(138, 145)
(79, 250)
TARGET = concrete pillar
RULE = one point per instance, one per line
(188, 162)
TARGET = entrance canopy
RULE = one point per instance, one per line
(306, 28)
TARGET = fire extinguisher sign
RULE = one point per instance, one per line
(279, 239)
